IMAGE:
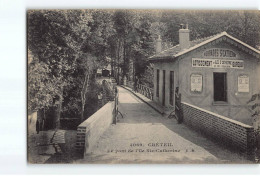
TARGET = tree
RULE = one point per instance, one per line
(70, 45)
(67, 46)
(134, 39)
(95, 49)
(243, 25)
(47, 32)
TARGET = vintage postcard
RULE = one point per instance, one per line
(143, 86)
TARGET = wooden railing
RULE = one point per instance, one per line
(142, 89)
(146, 91)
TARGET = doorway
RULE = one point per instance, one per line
(171, 88)
(220, 87)
(157, 82)
(163, 89)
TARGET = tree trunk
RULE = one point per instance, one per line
(124, 54)
(82, 110)
(57, 121)
(44, 119)
(112, 66)
(118, 60)
(83, 95)
(58, 111)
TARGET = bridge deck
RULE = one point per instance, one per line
(133, 139)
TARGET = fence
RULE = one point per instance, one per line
(146, 91)
(142, 89)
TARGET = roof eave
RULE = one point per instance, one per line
(165, 58)
(214, 38)
(161, 59)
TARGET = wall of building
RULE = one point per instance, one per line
(89, 132)
(226, 131)
(236, 106)
(171, 66)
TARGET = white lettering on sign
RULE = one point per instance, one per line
(219, 52)
(196, 83)
(217, 63)
(243, 83)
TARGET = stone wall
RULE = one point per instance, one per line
(89, 132)
(232, 133)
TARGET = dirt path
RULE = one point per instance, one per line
(144, 136)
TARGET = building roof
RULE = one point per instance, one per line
(176, 51)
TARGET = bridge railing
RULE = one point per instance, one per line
(146, 91)
(140, 88)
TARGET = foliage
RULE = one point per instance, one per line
(243, 25)
(40, 90)
(66, 47)
(53, 56)
(147, 77)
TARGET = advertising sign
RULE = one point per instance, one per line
(243, 83)
(219, 52)
(196, 83)
(217, 63)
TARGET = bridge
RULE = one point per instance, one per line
(143, 135)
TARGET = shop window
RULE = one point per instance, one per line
(220, 87)
(157, 82)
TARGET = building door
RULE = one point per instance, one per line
(220, 87)
(157, 82)
(171, 88)
(163, 89)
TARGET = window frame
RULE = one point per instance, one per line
(225, 88)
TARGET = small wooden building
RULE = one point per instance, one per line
(218, 73)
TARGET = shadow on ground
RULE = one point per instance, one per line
(225, 154)
(139, 113)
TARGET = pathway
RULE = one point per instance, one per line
(144, 136)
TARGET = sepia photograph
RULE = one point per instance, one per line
(143, 86)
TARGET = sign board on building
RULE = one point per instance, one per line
(219, 53)
(196, 83)
(243, 83)
(217, 63)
